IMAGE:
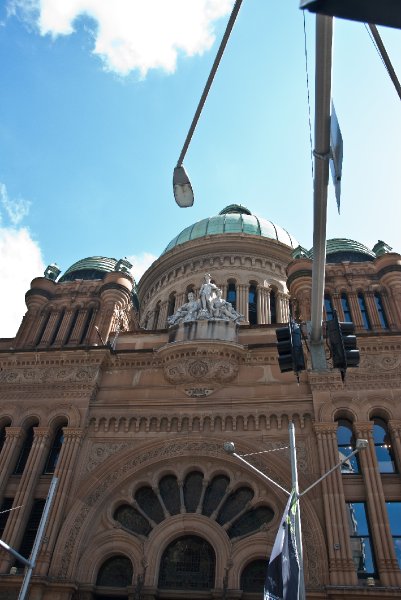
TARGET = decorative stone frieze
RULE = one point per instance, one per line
(39, 375)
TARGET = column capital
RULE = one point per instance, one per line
(41, 433)
(72, 433)
(14, 432)
(395, 425)
(364, 428)
(328, 428)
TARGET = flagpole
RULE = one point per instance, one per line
(295, 487)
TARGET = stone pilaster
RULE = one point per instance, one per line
(65, 325)
(372, 311)
(243, 301)
(17, 519)
(395, 433)
(78, 328)
(388, 310)
(162, 320)
(336, 299)
(48, 332)
(341, 564)
(355, 310)
(64, 472)
(386, 559)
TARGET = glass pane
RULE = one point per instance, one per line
(250, 521)
(394, 517)
(170, 493)
(133, 520)
(397, 548)
(188, 563)
(351, 465)
(384, 459)
(344, 433)
(214, 494)
(254, 575)
(362, 555)
(192, 490)
(115, 572)
(379, 432)
(149, 503)
(234, 504)
(358, 522)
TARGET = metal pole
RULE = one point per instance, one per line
(324, 35)
(294, 477)
(38, 540)
(261, 473)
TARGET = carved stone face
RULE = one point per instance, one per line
(208, 278)
(191, 296)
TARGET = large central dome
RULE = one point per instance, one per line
(234, 218)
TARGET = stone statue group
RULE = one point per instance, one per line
(210, 306)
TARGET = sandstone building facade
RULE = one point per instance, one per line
(131, 417)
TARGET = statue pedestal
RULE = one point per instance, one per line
(218, 329)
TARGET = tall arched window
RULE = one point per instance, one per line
(156, 315)
(54, 451)
(328, 307)
(171, 304)
(254, 575)
(380, 310)
(232, 294)
(364, 311)
(382, 441)
(252, 305)
(273, 307)
(24, 452)
(346, 308)
(85, 329)
(116, 571)
(346, 445)
(188, 563)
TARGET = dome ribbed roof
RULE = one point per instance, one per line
(93, 267)
(233, 219)
(342, 249)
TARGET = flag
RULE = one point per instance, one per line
(282, 578)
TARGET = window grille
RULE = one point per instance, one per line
(254, 575)
(116, 571)
(188, 563)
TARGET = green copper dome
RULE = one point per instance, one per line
(233, 219)
(94, 267)
(341, 250)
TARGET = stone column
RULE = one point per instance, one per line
(395, 433)
(388, 310)
(372, 311)
(78, 328)
(48, 332)
(386, 559)
(223, 288)
(395, 300)
(180, 299)
(336, 299)
(65, 325)
(9, 454)
(341, 564)
(18, 519)
(304, 299)
(282, 307)
(243, 300)
(162, 321)
(64, 471)
(355, 310)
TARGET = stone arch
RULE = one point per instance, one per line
(68, 412)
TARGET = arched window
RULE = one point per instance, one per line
(232, 294)
(117, 571)
(273, 307)
(24, 452)
(188, 563)
(57, 327)
(381, 311)
(346, 445)
(382, 441)
(156, 315)
(252, 305)
(54, 451)
(85, 329)
(328, 307)
(171, 305)
(254, 575)
(364, 311)
(346, 308)
(31, 529)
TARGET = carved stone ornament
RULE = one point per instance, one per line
(198, 392)
(376, 362)
(210, 306)
(42, 375)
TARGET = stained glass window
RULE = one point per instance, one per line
(149, 503)
(133, 520)
(250, 521)
(188, 563)
(234, 504)
(170, 493)
(115, 572)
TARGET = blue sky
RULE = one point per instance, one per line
(96, 99)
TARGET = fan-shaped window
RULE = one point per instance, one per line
(328, 307)
(346, 444)
(381, 311)
(54, 451)
(235, 503)
(115, 572)
(254, 575)
(250, 521)
(215, 492)
(149, 503)
(384, 452)
(170, 493)
(132, 520)
(346, 308)
(252, 305)
(188, 563)
(24, 452)
(192, 490)
(364, 311)
(232, 294)
(273, 307)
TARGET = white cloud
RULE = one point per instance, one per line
(132, 34)
(21, 261)
(140, 263)
(15, 209)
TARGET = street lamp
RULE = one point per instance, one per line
(183, 192)
(381, 12)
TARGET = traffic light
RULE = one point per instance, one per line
(380, 12)
(289, 347)
(342, 342)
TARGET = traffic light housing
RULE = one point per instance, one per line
(380, 12)
(289, 347)
(342, 341)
